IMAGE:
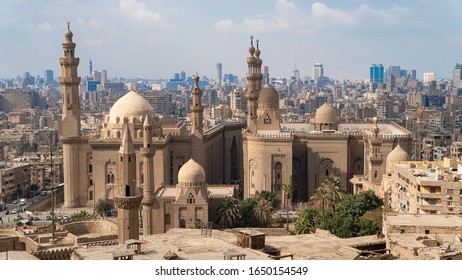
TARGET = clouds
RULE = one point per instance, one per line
(44, 26)
(139, 12)
(287, 16)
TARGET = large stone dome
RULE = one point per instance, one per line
(269, 98)
(191, 174)
(398, 154)
(326, 114)
(131, 105)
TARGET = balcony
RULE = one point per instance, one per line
(430, 195)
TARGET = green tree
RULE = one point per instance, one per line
(263, 210)
(228, 213)
(307, 222)
(357, 205)
(288, 189)
(81, 215)
(248, 215)
(269, 196)
(336, 195)
(103, 206)
(321, 199)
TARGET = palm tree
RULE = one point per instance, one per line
(332, 183)
(228, 213)
(288, 189)
(263, 210)
(321, 199)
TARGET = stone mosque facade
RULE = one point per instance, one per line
(179, 176)
(304, 154)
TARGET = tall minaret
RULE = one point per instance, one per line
(254, 79)
(70, 88)
(70, 131)
(197, 109)
(147, 151)
(197, 128)
(128, 198)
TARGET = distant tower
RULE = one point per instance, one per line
(91, 67)
(376, 73)
(296, 73)
(254, 79)
(318, 71)
(197, 116)
(219, 73)
(73, 143)
(48, 76)
(457, 77)
(128, 199)
(147, 151)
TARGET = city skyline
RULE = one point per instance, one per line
(154, 39)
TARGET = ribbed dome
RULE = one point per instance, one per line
(191, 173)
(398, 154)
(326, 114)
(269, 98)
(130, 105)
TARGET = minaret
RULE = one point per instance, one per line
(197, 128)
(70, 131)
(70, 88)
(128, 199)
(197, 109)
(147, 151)
(254, 79)
(375, 156)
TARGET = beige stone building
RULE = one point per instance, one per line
(424, 187)
(304, 154)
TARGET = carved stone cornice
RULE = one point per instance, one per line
(127, 202)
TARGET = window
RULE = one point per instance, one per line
(449, 191)
(90, 168)
(427, 231)
(167, 219)
(191, 199)
(432, 189)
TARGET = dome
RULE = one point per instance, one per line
(191, 174)
(398, 154)
(269, 98)
(130, 105)
(326, 114)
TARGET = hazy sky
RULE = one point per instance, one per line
(154, 39)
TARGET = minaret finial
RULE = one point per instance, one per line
(68, 25)
(257, 42)
(251, 40)
(196, 79)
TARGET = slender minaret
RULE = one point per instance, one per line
(197, 128)
(254, 79)
(70, 123)
(128, 198)
(147, 151)
(197, 109)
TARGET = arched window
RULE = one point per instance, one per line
(167, 219)
(108, 180)
(277, 175)
(182, 223)
(190, 199)
(376, 174)
(112, 178)
(267, 119)
(127, 190)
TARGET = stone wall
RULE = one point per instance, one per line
(99, 226)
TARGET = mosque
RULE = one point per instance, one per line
(179, 176)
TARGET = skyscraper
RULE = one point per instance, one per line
(91, 67)
(428, 77)
(318, 71)
(219, 73)
(376, 73)
(457, 76)
(48, 76)
(394, 70)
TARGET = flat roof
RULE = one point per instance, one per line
(423, 220)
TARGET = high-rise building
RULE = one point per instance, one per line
(48, 76)
(219, 73)
(394, 70)
(91, 67)
(457, 76)
(183, 75)
(428, 77)
(318, 71)
(412, 74)
(376, 73)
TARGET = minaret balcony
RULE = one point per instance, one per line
(128, 202)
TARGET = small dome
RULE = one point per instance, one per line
(130, 105)
(269, 98)
(191, 173)
(68, 34)
(326, 114)
(398, 154)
